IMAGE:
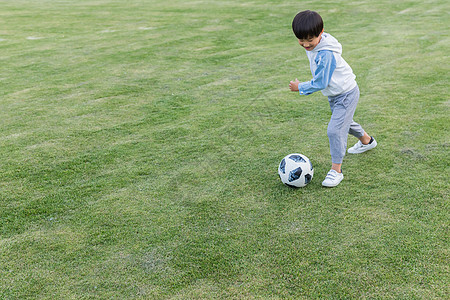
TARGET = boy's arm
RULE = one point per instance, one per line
(326, 64)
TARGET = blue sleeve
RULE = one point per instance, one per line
(326, 64)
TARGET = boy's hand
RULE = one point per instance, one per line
(293, 85)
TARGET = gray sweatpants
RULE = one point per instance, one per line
(343, 108)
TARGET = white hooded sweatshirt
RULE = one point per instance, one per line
(331, 73)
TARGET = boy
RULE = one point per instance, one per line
(334, 77)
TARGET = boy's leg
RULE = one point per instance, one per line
(366, 142)
(365, 139)
(342, 108)
(356, 130)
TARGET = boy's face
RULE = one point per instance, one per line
(310, 43)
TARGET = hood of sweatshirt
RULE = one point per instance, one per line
(328, 42)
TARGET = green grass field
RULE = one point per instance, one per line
(140, 140)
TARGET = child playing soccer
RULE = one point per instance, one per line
(334, 77)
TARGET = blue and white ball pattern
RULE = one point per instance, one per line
(296, 170)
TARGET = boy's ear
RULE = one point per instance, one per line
(320, 34)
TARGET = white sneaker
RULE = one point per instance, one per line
(360, 147)
(333, 178)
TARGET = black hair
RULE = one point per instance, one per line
(307, 24)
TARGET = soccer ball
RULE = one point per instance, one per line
(295, 170)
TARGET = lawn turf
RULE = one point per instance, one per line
(140, 141)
